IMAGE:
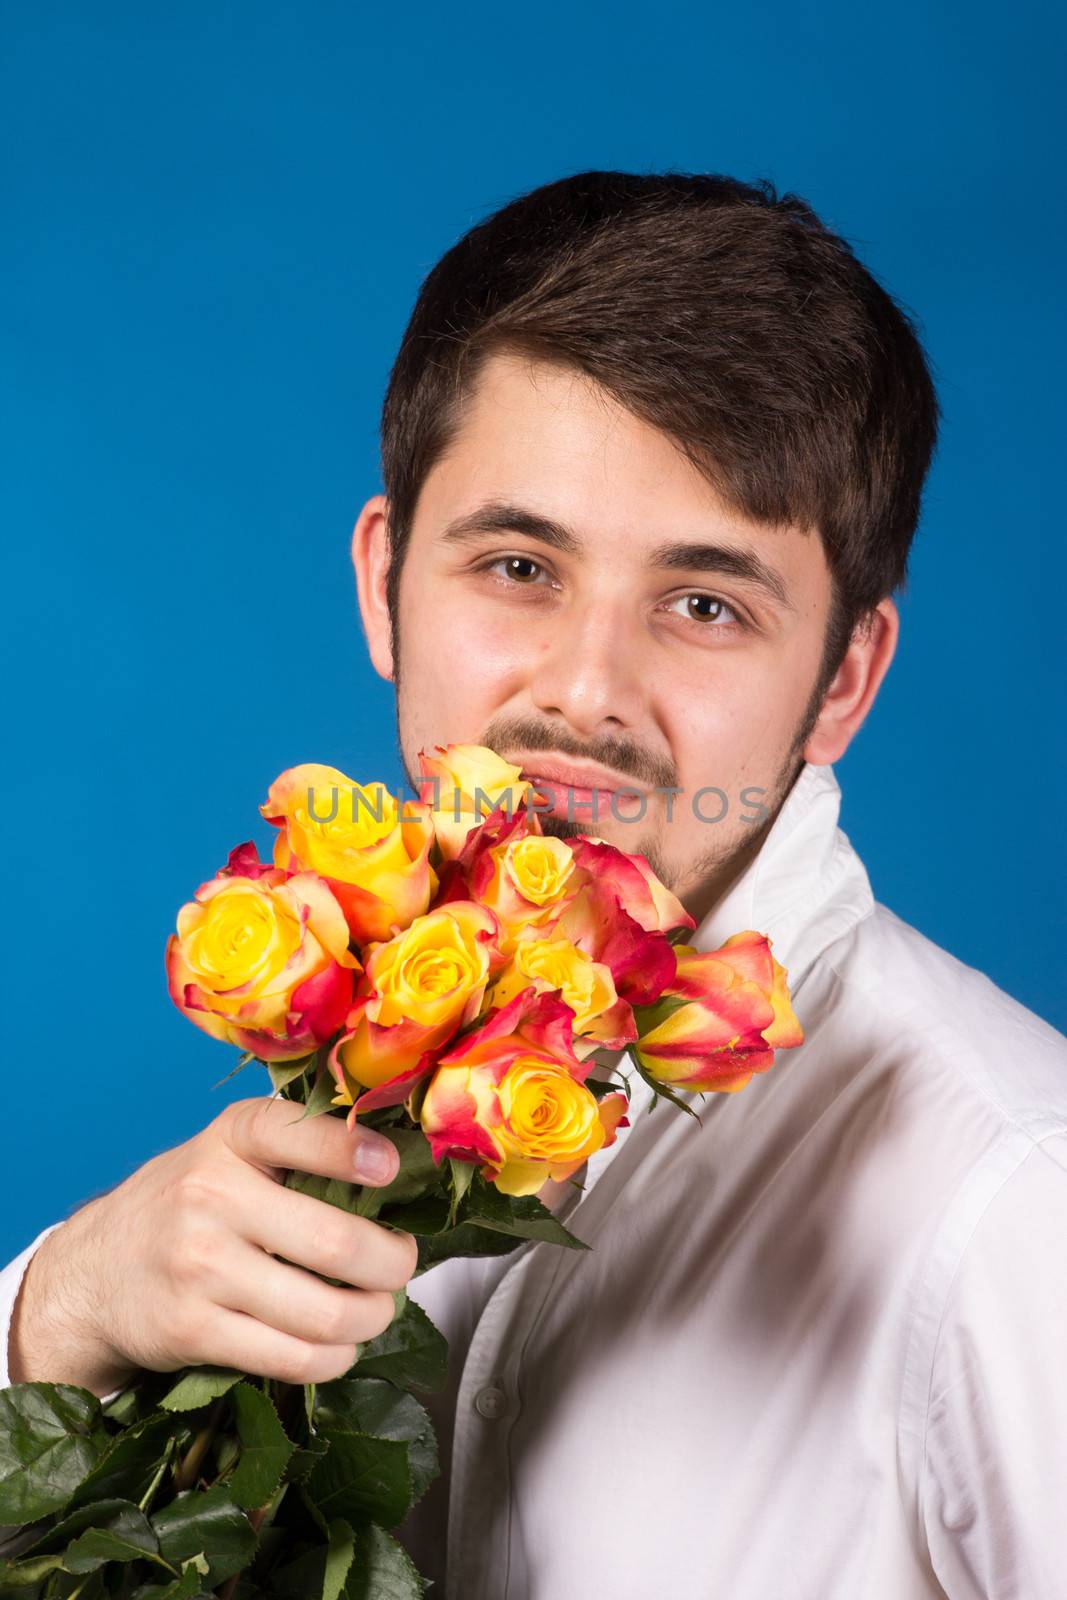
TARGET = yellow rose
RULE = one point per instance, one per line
(418, 989)
(538, 866)
(527, 882)
(428, 973)
(462, 784)
(511, 1095)
(374, 857)
(551, 1125)
(586, 986)
(261, 960)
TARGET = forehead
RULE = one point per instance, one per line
(533, 424)
(546, 436)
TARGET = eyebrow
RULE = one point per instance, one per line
(500, 516)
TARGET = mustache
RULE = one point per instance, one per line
(618, 754)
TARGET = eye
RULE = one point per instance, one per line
(712, 616)
(512, 562)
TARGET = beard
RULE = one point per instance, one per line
(700, 882)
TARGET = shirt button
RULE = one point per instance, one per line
(490, 1402)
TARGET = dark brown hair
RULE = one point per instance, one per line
(731, 319)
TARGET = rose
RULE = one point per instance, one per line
(525, 882)
(375, 859)
(721, 1017)
(641, 961)
(261, 959)
(462, 783)
(525, 877)
(417, 990)
(633, 883)
(600, 1017)
(618, 912)
(511, 1095)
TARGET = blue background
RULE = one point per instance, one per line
(217, 221)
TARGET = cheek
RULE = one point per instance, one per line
(731, 732)
(459, 664)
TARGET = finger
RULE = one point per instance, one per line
(234, 1339)
(274, 1135)
(292, 1301)
(320, 1237)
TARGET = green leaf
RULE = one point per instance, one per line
(111, 1530)
(335, 1191)
(462, 1177)
(382, 1569)
(207, 1521)
(520, 1215)
(599, 1089)
(199, 1387)
(320, 1100)
(664, 1092)
(282, 1073)
(126, 1541)
(51, 1434)
(368, 1201)
(428, 1215)
(245, 1059)
(339, 1554)
(127, 1465)
(119, 1517)
(648, 1018)
(464, 1240)
(303, 1573)
(227, 1450)
(362, 1478)
(187, 1587)
(380, 1411)
(124, 1408)
(265, 1448)
(304, 1457)
(23, 1577)
(410, 1352)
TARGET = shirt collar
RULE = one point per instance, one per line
(804, 888)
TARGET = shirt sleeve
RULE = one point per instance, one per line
(10, 1283)
(991, 1487)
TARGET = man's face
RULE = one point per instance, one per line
(588, 638)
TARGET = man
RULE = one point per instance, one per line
(653, 452)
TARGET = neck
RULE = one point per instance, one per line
(714, 888)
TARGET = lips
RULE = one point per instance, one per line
(580, 796)
(568, 800)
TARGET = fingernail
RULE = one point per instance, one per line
(374, 1161)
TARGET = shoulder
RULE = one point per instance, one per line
(947, 1019)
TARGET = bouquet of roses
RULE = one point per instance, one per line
(449, 974)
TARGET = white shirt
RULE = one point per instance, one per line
(817, 1350)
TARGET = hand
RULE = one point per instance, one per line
(176, 1266)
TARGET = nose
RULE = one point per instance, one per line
(588, 669)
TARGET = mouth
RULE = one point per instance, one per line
(581, 794)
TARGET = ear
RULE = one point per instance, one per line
(855, 684)
(370, 558)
